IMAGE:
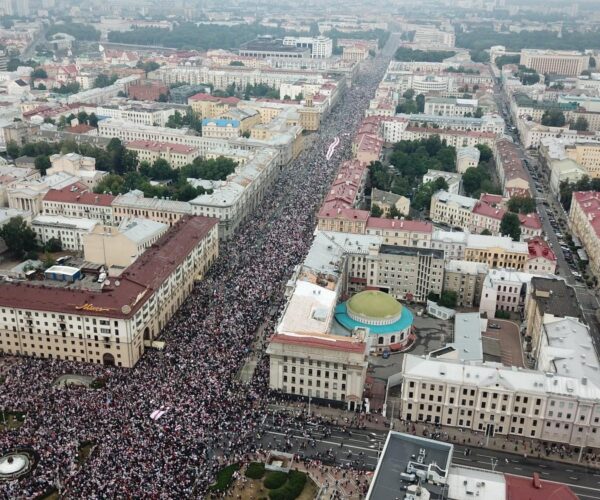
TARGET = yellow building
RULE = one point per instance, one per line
(497, 252)
(587, 154)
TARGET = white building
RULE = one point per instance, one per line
(76, 165)
(451, 209)
(452, 179)
(504, 290)
(69, 230)
(321, 47)
(467, 158)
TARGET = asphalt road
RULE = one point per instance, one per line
(345, 450)
(586, 297)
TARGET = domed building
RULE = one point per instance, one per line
(388, 322)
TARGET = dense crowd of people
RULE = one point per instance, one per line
(210, 417)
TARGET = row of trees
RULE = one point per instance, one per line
(172, 183)
(115, 158)
(407, 54)
(411, 105)
(556, 118)
(189, 119)
(528, 76)
(77, 30)
(484, 37)
(191, 36)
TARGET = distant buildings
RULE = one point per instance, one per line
(558, 62)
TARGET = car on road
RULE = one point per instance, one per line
(494, 326)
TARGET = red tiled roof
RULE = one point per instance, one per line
(344, 213)
(79, 193)
(486, 210)
(523, 488)
(82, 128)
(405, 225)
(136, 283)
(539, 248)
(320, 343)
(531, 221)
(161, 146)
(491, 199)
(589, 203)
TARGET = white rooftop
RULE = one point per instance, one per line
(140, 230)
(136, 199)
(496, 375)
(70, 222)
(463, 201)
(466, 267)
(469, 482)
(489, 241)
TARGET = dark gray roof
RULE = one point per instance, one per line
(399, 450)
(555, 297)
(410, 251)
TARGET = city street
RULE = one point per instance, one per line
(362, 448)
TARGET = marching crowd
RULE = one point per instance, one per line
(210, 418)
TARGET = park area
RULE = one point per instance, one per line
(255, 482)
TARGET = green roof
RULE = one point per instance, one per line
(374, 304)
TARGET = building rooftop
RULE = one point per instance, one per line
(333, 342)
(466, 267)
(160, 147)
(467, 336)
(554, 296)
(374, 304)
(59, 220)
(140, 230)
(539, 248)
(417, 226)
(488, 241)
(463, 201)
(136, 199)
(124, 296)
(400, 451)
(519, 488)
(78, 193)
(411, 251)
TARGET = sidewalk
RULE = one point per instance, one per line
(521, 447)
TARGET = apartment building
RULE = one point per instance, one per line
(210, 106)
(430, 35)
(321, 47)
(496, 251)
(407, 273)
(549, 299)
(77, 200)
(142, 113)
(558, 62)
(466, 280)
(501, 401)
(586, 154)
(401, 232)
(68, 230)
(133, 204)
(177, 155)
(504, 290)
(450, 106)
(83, 167)
(584, 221)
(385, 200)
(451, 209)
(541, 257)
(111, 323)
(467, 158)
(453, 180)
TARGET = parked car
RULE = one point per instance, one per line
(494, 326)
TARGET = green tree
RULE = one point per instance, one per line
(553, 118)
(486, 232)
(580, 124)
(409, 94)
(485, 152)
(39, 73)
(407, 54)
(41, 86)
(111, 183)
(448, 299)
(521, 204)
(42, 163)
(18, 236)
(103, 80)
(420, 100)
(93, 120)
(376, 210)
(510, 226)
(12, 149)
(53, 245)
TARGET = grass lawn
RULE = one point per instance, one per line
(255, 489)
(14, 420)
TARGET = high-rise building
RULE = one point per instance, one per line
(559, 62)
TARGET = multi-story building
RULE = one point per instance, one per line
(146, 113)
(430, 35)
(558, 62)
(501, 401)
(178, 155)
(549, 299)
(385, 200)
(210, 106)
(77, 200)
(148, 90)
(504, 290)
(586, 154)
(510, 168)
(451, 209)
(111, 323)
(343, 220)
(321, 47)
(466, 280)
(76, 165)
(117, 247)
(220, 127)
(584, 221)
(267, 47)
(453, 180)
(467, 158)
(407, 273)
(401, 232)
(496, 251)
(450, 106)
(68, 230)
(541, 257)
(133, 204)
(564, 170)
(27, 195)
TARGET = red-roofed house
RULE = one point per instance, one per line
(345, 220)
(485, 216)
(77, 200)
(584, 220)
(541, 257)
(209, 106)
(409, 233)
(178, 155)
(367, 148)
(523, 488)
(531, 225)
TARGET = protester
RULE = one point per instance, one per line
(210, 419)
